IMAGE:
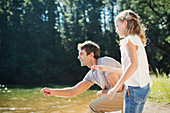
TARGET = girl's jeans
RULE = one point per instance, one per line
(136, 98)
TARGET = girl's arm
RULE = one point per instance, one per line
(131, 49)
(108, 69)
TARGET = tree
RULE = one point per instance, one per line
(155, 15)
(38, 38)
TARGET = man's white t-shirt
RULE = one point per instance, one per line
(99, 77)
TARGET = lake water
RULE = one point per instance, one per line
(31, 101)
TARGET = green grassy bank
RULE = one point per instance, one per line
(160, 91)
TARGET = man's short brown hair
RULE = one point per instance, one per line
(89, 47)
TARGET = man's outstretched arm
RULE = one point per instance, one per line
(67, 92)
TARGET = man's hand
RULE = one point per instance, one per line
(100, 94)
(46, 92)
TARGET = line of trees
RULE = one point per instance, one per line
(38, 38)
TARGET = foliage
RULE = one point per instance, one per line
(155, 14)
(38, 38)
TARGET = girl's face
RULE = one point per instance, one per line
(120, 28)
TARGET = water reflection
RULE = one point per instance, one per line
(31, 101)
(4, 89)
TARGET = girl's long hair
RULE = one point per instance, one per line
(134, 24)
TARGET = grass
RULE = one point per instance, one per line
(160, 91)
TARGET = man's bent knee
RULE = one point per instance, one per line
(92, 107)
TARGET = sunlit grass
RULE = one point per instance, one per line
(160, 91)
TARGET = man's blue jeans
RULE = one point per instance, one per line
(136, 98)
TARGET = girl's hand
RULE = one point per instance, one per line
(99, 67)
(111, 93)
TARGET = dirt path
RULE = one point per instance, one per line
(156, 108)
(153, 108)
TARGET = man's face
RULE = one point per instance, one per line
(83, 57)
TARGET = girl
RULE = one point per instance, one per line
(135, 71)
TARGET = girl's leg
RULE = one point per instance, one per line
(134, 102)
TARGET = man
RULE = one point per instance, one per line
(89, 55)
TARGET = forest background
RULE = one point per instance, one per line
(38, 38)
